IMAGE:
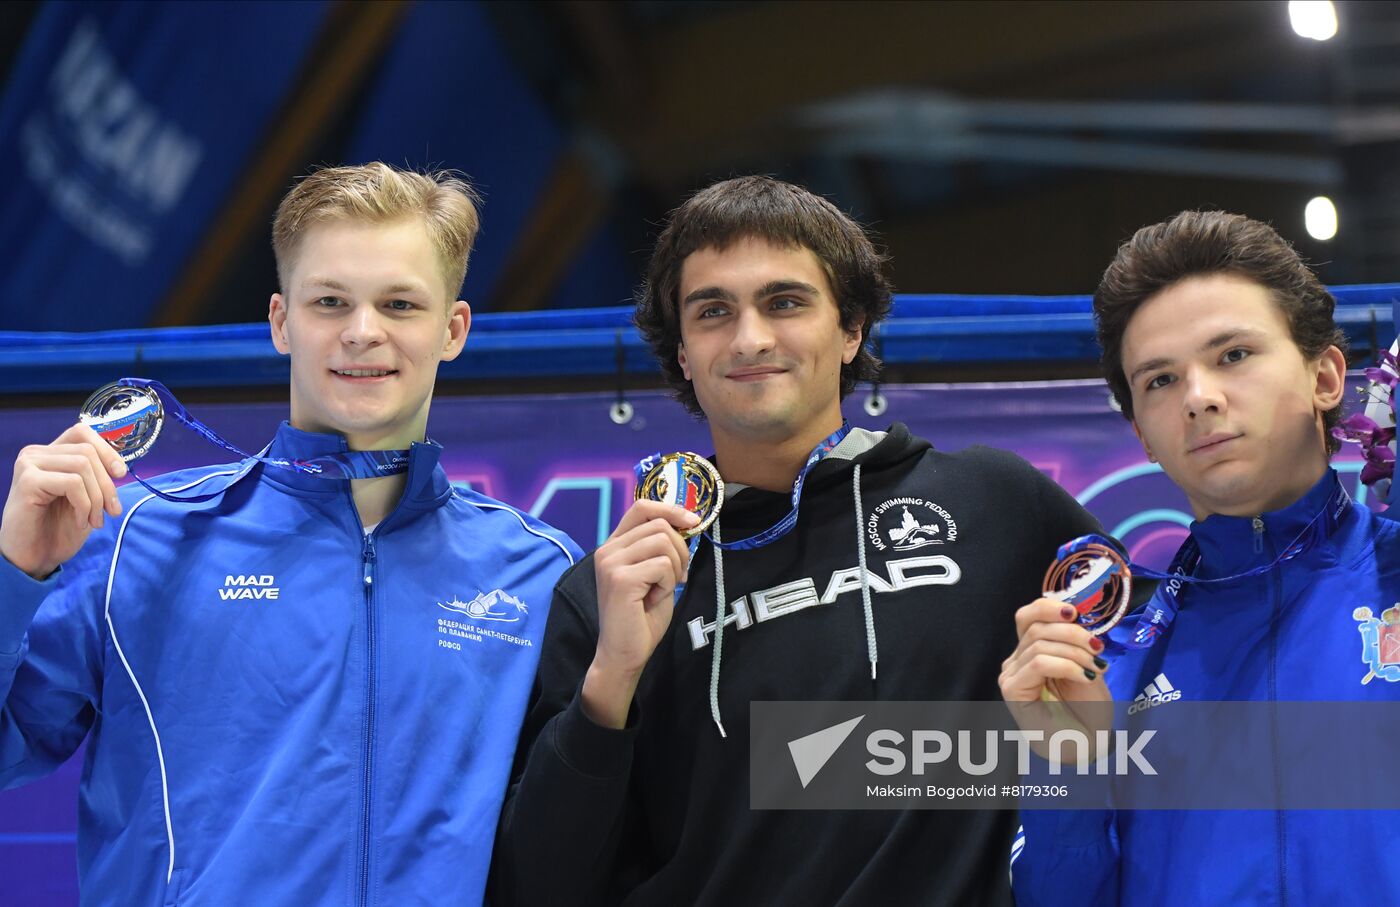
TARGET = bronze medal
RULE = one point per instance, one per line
(1096, 581)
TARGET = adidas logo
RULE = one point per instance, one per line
(1160, 690)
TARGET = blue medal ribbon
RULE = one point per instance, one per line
(1145, 626)
(783, 526)
(353, 464)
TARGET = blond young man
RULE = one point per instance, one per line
(335, 743)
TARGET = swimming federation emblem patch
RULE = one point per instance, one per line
(905, 524)
(1380, 643)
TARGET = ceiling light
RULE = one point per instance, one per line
(1316, 19)
(1320, 217)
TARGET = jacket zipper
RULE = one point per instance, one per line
(1271, 583)
(370, 691)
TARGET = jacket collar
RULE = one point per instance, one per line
(427, 482)
(1231, 544)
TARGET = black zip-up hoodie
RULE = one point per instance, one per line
(658, 813)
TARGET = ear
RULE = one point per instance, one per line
(1151, 457)
(851, 346)
(1329, 382)
(681, 360)
(277, 317)
(459, 324)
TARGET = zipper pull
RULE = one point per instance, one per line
(1258, 535)
(368, 555)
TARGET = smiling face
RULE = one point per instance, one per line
(762, 341)
(366, 319)
(1224, 399)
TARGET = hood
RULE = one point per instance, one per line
(748, 511)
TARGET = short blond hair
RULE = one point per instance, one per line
(378, 193)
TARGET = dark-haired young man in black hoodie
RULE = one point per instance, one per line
(899, 581)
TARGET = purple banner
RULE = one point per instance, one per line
(563, 459)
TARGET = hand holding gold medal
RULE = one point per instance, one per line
(637, 572)
(686, 480)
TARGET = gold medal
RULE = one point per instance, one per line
(685, 479)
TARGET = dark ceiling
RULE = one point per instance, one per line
(994, 147)
(997, 147)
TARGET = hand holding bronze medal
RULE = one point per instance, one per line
(128, 414)
(1094, 578)
(686, 480)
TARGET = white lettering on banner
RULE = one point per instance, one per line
(98, 121)
(116, 128)
(77, 201)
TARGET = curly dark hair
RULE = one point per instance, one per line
(1195, 243)
(784, 215)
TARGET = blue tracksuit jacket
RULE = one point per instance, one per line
(279, 709)
(1296, 633)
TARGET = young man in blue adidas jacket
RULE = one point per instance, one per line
(300, 691)
(1220, 346)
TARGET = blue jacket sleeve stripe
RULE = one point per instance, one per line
(526, 526)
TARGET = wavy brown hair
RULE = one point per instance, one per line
(787, 216)
(1196, 243)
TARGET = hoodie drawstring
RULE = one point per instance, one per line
(870, 647)
(720, 607)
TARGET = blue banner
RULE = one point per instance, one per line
(123, 130)
(448, 95)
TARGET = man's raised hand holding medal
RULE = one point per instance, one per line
(638, 570)
(1057, 667)
(59, 493)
